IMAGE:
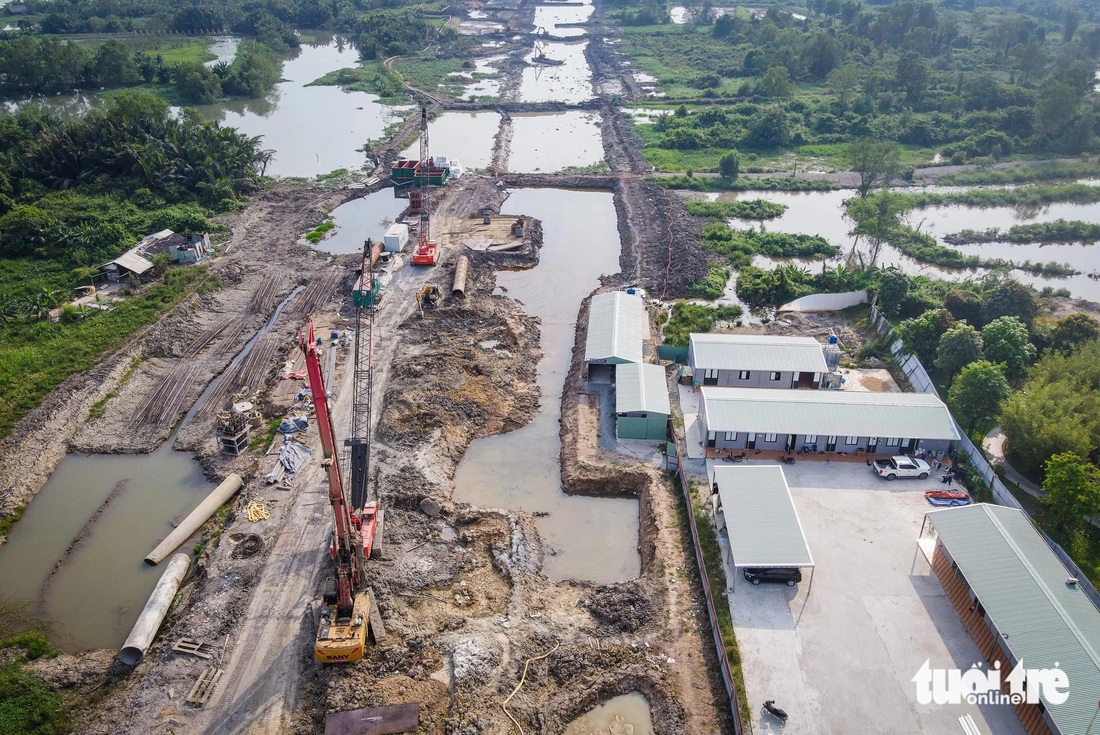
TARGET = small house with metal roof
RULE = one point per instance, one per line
(756, 361)
(1022, 606)
(642, 407)
(842, 422)
(616, 331)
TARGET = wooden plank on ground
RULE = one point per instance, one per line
(374, 617)
(193, 647)
(391, 718)
(204, 687)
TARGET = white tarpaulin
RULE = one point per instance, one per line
(826, 301)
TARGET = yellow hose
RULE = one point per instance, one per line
(504, 704)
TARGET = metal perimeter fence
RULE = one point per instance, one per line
(918, 378)
(712, 615)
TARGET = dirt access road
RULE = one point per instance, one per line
(461, 589)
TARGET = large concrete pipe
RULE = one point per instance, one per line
(145, 629)
(191, 523)
(462, 265)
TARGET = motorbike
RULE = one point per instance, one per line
(735, 457)
(788, 460)
(776, 712)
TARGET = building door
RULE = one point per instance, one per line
(830, 446)
(872, 445)
(712, 438)
(751, 443)
(907, 446)
(790, 443)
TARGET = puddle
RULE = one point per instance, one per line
(463, 136)
(571, 82)
(587, 538)
(313, 130)
(624, 715)
(225, 48)
(359, 219)
(94, 597)
(549, 142)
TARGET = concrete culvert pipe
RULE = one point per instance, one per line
(194, 521)
(145, 629)
(461, 267)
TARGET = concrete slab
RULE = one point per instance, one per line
(689, 409)
(839, 651)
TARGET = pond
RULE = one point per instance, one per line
(822, 213)
(549, 142)
(359, 219)
(586, 538)
(570, 82)
(313, 130)
(467, 137)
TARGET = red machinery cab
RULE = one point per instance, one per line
(426, 252)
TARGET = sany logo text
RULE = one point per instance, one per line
(983, 686)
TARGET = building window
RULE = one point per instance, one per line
(743, 375)
(769, 437)
(811, 438)
(774, 376)
(893, 441)
(851, 440)
(731, 436)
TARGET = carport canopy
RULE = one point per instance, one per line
(763, 526)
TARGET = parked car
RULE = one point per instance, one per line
(896, 467)
(784, 575)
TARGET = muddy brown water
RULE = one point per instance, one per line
(92, 599)
(463, 136)
(628, 713)
(359, 219)
(822, 213)
(570, 82)
(313, 130)
(586, 538)
(551, 142)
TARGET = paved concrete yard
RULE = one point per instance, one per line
(843, 662)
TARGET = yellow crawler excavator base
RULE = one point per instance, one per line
(343, 640)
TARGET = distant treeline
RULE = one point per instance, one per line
(44, 65)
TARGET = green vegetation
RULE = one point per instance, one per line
(738, 246)
(1025, 174)
(318, 233)
(27, 705)
(878, 221)
(687, 318)
(1025, 196)
(430, 73)
(710, 183)
(741, 209)
(713, 285)
(35, 356)
(971, 83)
(374, 79)
(9, 521)
(1057, 411)
(1058, 231)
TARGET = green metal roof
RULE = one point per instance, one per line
(757, 352)
(763, 526)
(641, 386)
(1022, 586)
(827, 413)
(616, 323)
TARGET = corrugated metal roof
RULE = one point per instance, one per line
(1022, 586)
(132, 262)
(762, 523)
(757, 352)
(827, 413)
(641, 386)
(615, 325)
